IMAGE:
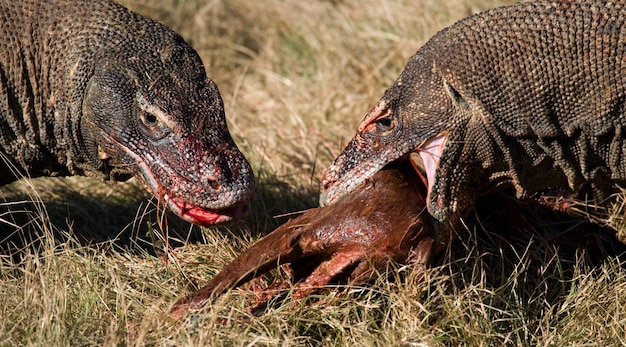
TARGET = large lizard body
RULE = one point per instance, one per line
(529, 96)
(88, 87)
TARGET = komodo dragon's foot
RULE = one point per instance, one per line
(343, 242)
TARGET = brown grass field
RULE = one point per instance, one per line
(296, 77)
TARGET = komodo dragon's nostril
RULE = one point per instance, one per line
(215, 185)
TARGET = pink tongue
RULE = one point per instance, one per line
(204, 217)
(199, 216)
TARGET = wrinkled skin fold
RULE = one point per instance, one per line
(380, 221)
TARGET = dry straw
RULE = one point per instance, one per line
(296, 77)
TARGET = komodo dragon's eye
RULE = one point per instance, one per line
(152, 126)
(149, 119)
(378, 122)
(153, 121)
(384, 123)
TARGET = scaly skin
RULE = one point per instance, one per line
(529, 96)
(90, 88)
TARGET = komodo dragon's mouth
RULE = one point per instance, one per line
(186, 210)
(425, 160)
(183, 208)
(204, 216)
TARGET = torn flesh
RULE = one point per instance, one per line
(345, 242)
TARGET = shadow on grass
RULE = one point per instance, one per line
(526, 256)
(124, 215)
(84, 211)
(504, 223)
(508, 274)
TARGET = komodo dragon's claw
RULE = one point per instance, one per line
(379, 221)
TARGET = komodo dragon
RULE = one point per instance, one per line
(529, 96)
(88, 87)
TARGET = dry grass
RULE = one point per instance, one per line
(296, 77)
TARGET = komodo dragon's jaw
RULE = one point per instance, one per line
(167, 128)
(415, 115)
(383, 137)
(341, 178)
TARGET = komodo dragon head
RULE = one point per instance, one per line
(416, 114)
(153, 113)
